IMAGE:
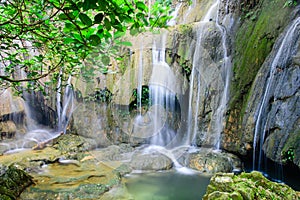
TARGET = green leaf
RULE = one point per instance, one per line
(133, 31)
(78, 37)
(141, 6)
(105, 60)
(98, 18)
(68, 40)
(118, 34)
(62, 16)
(95, 40)
(69, 26)
(125, 43)
(107, 24)
(85, 19)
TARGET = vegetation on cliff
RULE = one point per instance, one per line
(55, 37)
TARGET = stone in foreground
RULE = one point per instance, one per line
(247, 186)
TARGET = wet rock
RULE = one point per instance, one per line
(7, 129)
(92, 121)
(152, 161)
(277, 107)
(253, 41)
(59, 174)
(247, 186)
(114, 153)
(72, 146)
(10, 104)
(89, 180)
(211, 162)
(12, 182)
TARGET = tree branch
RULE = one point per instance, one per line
(7, 78)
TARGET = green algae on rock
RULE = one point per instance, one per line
(247, 186)
(12, 182)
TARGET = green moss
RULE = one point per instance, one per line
(253, 42)
(12, 182)
(291, 149)
(247, 186)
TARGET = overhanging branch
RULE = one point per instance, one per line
(7, 78)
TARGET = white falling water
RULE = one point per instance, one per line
(174, 15)
(162, 94)
(188, 12)
(65, 106)
(195, 82)
(169, 153)
(280, 59)
(226, 71)
(140, 81)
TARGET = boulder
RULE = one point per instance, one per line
(13, 181)
(247, 186)
(150, 161)
(210, 162)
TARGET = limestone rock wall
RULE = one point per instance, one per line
(253, 39)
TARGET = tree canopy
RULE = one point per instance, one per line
(53, 37)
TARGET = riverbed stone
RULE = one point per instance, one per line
(210, 162)
(150, 161)
(247, 186)
(59, 174)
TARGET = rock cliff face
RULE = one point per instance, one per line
(275, 106)
(252, 29)
(190, 56)
(254, 38)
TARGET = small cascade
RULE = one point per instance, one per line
(162, 94)
(191, 7)
(174, 15)
(195, 82)
(140, 81)
(65, 106)
(169, 153)
(286, 48)
(226, 74)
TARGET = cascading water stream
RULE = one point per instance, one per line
(140, 81)
(162, 98)
(65, 106)
(285, 50)
(174, 14)
(192, 123)
(190, 8)
(226, 68)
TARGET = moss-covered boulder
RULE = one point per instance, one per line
(247, 186)
(12, 182)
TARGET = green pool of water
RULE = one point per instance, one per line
(167, 186)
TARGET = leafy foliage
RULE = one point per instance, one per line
(145, 98)
(290, 3)
(288, 156)
(43, 37)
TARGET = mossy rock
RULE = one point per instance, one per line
(254, 40)
(291, 149)
(247, 186)
(12, 182)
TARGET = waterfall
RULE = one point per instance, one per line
(162, 95)
(286, 48)
(191, 7)
(140, 81)
(196, 78)
(65, 106)
(174, 14)
(226, 71)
